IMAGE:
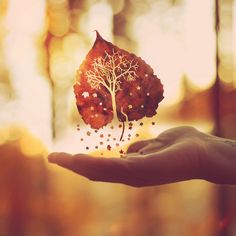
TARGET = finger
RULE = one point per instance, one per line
(114, 170)
(152, 147)
(135, 147)
(62, 159)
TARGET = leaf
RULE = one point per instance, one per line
(113, 84)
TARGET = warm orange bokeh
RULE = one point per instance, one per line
(42, 44)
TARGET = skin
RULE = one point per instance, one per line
(177, 154)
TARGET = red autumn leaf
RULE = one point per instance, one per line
(113, 84)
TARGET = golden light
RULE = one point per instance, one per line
(75, 47)
(31, 146)
(18, 19)
(173, 50)
(31, 104)
(176, 38)
(199, 43)
(62, 68)
(59, 15)
(99, 17)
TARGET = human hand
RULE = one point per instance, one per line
(177, 154)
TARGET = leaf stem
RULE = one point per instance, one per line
(123, 130)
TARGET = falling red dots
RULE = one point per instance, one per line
(121, 151)
(78, 128)
(109, 141)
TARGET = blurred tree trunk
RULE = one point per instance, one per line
(224, 63)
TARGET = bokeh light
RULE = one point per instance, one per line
(42, 44)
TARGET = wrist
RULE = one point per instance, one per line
(220, 160)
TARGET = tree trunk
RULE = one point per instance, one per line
(113, 101)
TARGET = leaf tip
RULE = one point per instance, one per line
(98, 36)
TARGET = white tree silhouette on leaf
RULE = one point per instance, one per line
(109, 71)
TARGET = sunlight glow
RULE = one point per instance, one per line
(35, 148)
(179, 50)
(199, 61)
(99, 17)
(31, 106)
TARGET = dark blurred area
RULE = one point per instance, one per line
(191, 47)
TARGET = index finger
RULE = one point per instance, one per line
(114, 170)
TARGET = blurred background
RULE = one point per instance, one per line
(191, 45)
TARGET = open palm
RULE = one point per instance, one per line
(177, 154)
